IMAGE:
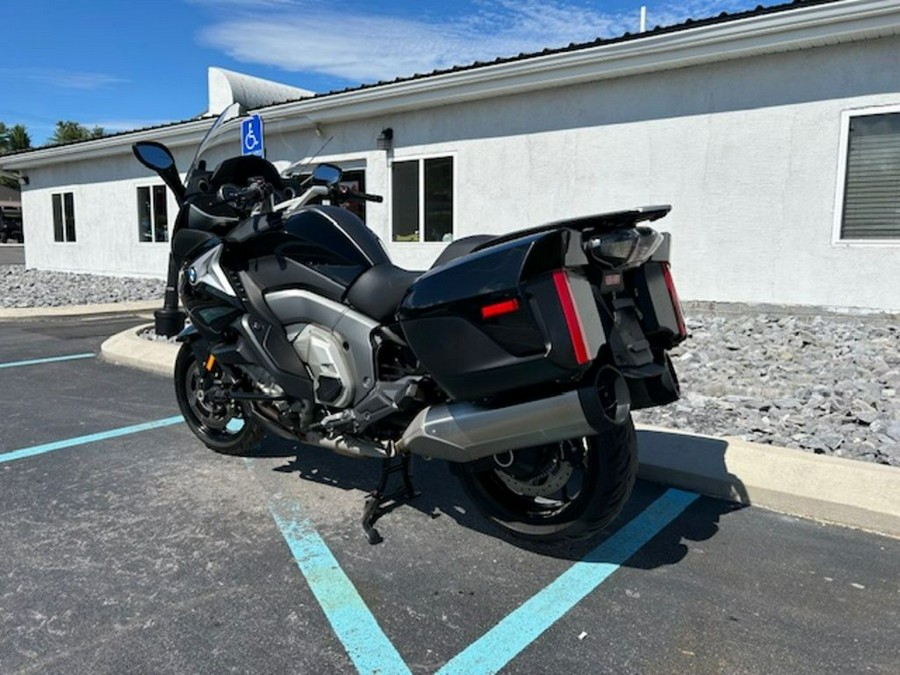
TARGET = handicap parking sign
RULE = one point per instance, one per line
(252, 136)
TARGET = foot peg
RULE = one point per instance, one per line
(381, 501)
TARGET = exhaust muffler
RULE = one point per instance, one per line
(463, 432)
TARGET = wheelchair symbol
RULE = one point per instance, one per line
(251, 142)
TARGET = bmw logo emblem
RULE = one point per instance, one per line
(192, 276)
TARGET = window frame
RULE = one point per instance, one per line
(421, 158)
(150, 187)
(840, 193)
(65, 225)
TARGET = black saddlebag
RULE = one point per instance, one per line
(510, 316)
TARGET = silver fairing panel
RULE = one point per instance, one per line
(296, 309)
(207, 270)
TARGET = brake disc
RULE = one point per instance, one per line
(212, 414)
(550, 480)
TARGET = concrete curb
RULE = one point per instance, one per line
(830, 489)
(846, 492)
(128, 349)
(80, 310)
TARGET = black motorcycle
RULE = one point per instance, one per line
(518, 358)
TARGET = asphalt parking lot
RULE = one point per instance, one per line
(128, 547)
(12, 254)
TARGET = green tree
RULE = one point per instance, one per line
(11, 140)
(69, 132)
(17, 138)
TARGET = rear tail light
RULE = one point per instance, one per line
(573, 321)
(676, 304)
(624, 249)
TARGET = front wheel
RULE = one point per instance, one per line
(225, 428)
(566, 490)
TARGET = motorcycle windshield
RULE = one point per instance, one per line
(215, 135)
(292, 151)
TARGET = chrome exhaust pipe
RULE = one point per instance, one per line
(462, 432)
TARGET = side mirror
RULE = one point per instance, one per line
(154, 156)
(327, 174)
(158, 157)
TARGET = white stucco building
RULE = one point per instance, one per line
(774, 134)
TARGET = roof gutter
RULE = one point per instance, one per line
(800, 28)
(177, 135)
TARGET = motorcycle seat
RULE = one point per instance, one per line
(378, 291)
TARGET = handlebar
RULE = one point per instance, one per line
(361, 196)
(257, 191)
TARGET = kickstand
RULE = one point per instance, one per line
(375, 502)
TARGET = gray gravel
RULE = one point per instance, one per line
(823, 383)
(826, 384)
(34, 288)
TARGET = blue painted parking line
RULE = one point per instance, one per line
(366, 644)
(503, 642)
(51, 359)
(370, 649)
(90, 438)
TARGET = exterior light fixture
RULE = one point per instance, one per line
(386, 139)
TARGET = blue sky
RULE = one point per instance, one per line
(126, 64)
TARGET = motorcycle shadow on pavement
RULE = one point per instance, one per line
(441, 496)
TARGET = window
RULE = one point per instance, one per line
(64, 217)
(871, 188)
(153, 219)
(422, 197)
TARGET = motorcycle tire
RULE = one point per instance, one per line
(567, 490)
(216, 425)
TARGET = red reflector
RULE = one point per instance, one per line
(573, 321)
(676, 304)
(499, 308)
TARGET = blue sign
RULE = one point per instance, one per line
(252, 136)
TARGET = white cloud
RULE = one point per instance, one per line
(368, 46)
(66, 79)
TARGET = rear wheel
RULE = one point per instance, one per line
(570, 489)
(226, 427)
